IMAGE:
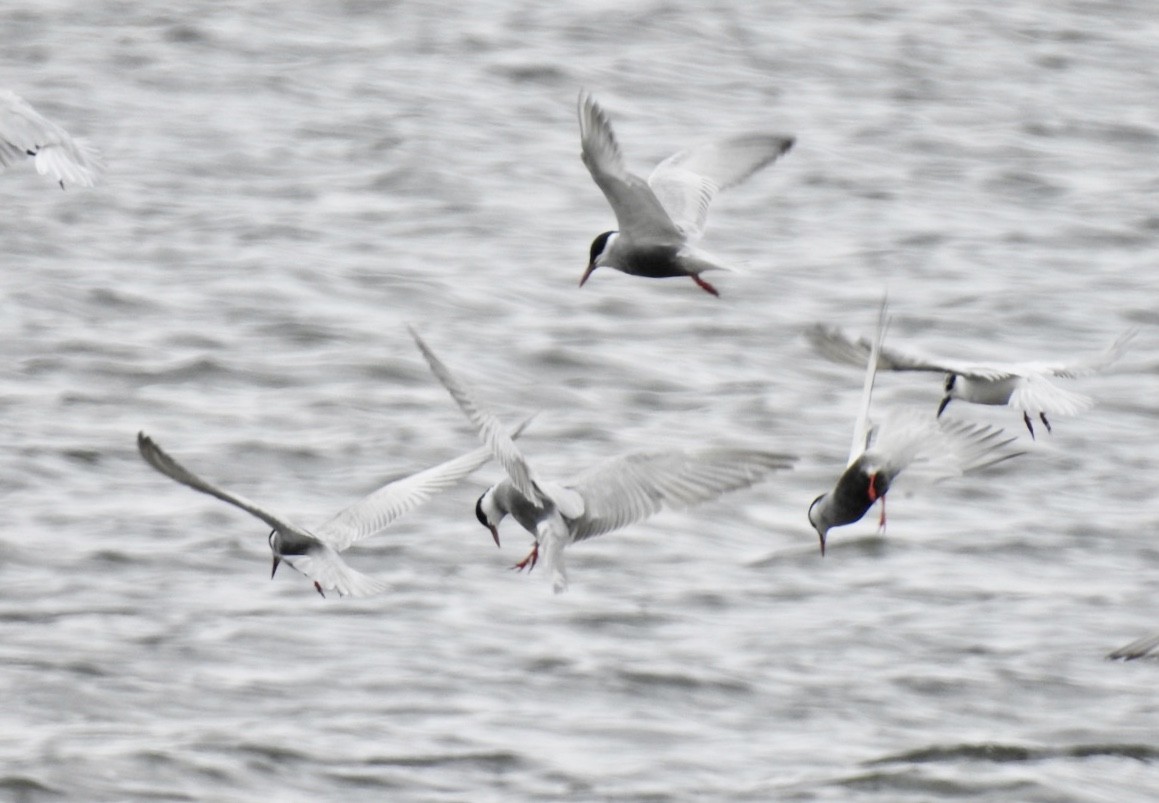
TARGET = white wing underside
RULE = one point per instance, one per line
(24, 132)
(932, 449)
(834, 344)
(631, 487)
(373, 513)
(687, 182)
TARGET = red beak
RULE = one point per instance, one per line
(587, 273)
(494, 533)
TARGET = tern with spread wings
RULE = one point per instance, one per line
(314, 552)
(1026, 387)
(612, 494)
(660, 219)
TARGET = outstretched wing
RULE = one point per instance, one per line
(372, 514)
(687, 182)
(1140, 648)
(1088, 365)
(639, 213)
(862, 427)
(936, 448)
(155, 456)
(24, 132)
(491, 432)
(632, 487)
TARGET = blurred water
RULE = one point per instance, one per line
(290, 184)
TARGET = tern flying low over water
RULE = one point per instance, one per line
(25, 133)
(1023, 386)
(881, 450)
(314, 553)
(612, 494)
(660, 218)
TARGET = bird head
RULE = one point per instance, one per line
(489, 513)
(274, 542)
(951, 380)
(600, 246)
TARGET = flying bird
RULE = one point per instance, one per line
(315, 553)
(25, 133)
(1026, 387)
(881, 450)
(610, 495)
(660, 219)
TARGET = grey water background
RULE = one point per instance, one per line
(290, 184)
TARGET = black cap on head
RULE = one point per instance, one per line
(598, 245)
(480, 515)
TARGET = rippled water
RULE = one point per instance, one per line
(289, 185)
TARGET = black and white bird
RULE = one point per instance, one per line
(612, 494)
(25, 133)
(882, 449)
(660, 219)
(314, 552)
(1026, 387)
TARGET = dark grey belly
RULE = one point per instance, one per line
(850, 499)
(653, 261)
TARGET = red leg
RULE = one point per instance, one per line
(318, 587)
(873, 497)
(705, 286)
(530, 561)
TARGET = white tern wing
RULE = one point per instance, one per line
(686, 182)
(632, 487)
(862, 427)
(372, 514)
(639, 213)
(935, 448)
(24, 132)
(492, 434)
(155, 456)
